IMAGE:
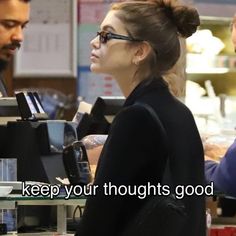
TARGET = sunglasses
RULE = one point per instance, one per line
(105, 36)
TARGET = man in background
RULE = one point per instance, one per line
(233, 35)
(14, 16)
(223, 173)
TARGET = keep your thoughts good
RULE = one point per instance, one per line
(109, 189)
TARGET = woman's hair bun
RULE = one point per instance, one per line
(185, 18)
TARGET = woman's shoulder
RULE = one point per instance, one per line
(137, 117)
(136, 111)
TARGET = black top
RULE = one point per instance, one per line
(133, 155)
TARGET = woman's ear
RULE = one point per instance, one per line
(141, 52)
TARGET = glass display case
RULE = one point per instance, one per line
(219, 69)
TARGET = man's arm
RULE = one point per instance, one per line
(223, 174)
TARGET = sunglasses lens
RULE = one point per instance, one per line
(103, 37)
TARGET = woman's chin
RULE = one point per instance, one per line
(95, 69)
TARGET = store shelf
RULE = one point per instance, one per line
(215, 20)
(210, 64)
(209, 70)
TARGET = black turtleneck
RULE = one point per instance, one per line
(133, 155)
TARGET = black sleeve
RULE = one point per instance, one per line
(127, 159)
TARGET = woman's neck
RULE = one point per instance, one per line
(128, 83)
(127, 86)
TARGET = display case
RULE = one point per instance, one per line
(220, 69)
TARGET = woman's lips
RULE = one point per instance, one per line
(93, 57)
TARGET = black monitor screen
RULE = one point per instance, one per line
(100, 117)
(107, 106)
(30, 106)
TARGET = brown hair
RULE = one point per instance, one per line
(176, 76)
(159, 22)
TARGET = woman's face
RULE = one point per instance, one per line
(113, 57)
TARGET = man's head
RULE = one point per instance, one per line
(233, 35)
(14, 15)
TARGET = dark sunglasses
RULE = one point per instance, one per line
(105, 36)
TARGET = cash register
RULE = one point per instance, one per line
(36, 142)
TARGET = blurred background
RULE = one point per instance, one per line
(54, 59)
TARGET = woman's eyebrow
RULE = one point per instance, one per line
(108, 28)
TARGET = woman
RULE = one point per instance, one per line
(137, 44)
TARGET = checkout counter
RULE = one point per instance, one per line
(37, 143)
(37, 146)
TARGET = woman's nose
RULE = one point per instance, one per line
(95, 42)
